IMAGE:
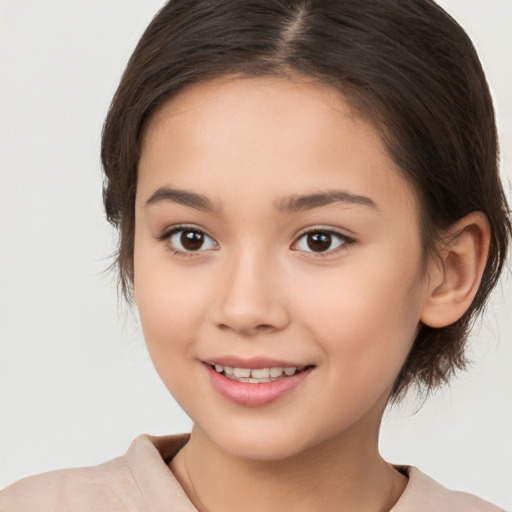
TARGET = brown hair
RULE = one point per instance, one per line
(405, 65)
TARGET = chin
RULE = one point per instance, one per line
(261, 442)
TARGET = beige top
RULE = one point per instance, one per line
(141, 481)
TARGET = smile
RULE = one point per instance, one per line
(255, 382)
(257, 375)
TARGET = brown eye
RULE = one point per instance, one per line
(191, 240)
(320, 241)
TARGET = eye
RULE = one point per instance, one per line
(320, 241)
(190, 240)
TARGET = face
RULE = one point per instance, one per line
(277, 263)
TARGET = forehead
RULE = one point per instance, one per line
(277, 134)
(256, 104)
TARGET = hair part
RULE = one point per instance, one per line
(405, 66)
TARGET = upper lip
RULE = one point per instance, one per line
(254, 363)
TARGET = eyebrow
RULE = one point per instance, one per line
(310, 201)
(284, 205)
(191, 199)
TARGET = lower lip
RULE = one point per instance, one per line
(254, 395)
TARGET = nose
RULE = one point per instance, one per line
(251, 296)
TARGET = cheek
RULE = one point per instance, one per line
(364, 320)
(170, 312)
(171, 304)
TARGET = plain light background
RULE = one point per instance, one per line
(76, 385)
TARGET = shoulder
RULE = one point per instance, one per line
(130, 482)
(424, 494)
(77, 489)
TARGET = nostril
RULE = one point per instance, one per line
(264, 327)
(247, 330)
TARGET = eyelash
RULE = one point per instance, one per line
(168, 234)
(345, 240)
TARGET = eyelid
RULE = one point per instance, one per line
(167, 233)
(170, 231)
(347, 240)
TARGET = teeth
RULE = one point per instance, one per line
(256, 375)
(276, 372)
(242, 372)
(252, 381)
(260, 373)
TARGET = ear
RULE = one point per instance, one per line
(454, 282)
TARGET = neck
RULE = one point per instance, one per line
(344, 473)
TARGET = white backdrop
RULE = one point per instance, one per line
(76, 385)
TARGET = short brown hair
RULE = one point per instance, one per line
(405, 65)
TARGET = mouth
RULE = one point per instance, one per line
(258, 375)
(256, 382)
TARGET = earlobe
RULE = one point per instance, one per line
(454, 283)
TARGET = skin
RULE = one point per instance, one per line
(255, 289)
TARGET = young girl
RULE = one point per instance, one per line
(310, 218)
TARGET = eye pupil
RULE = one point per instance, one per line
(192, 240)
(319, 241)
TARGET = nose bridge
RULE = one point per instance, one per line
(250, 299)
